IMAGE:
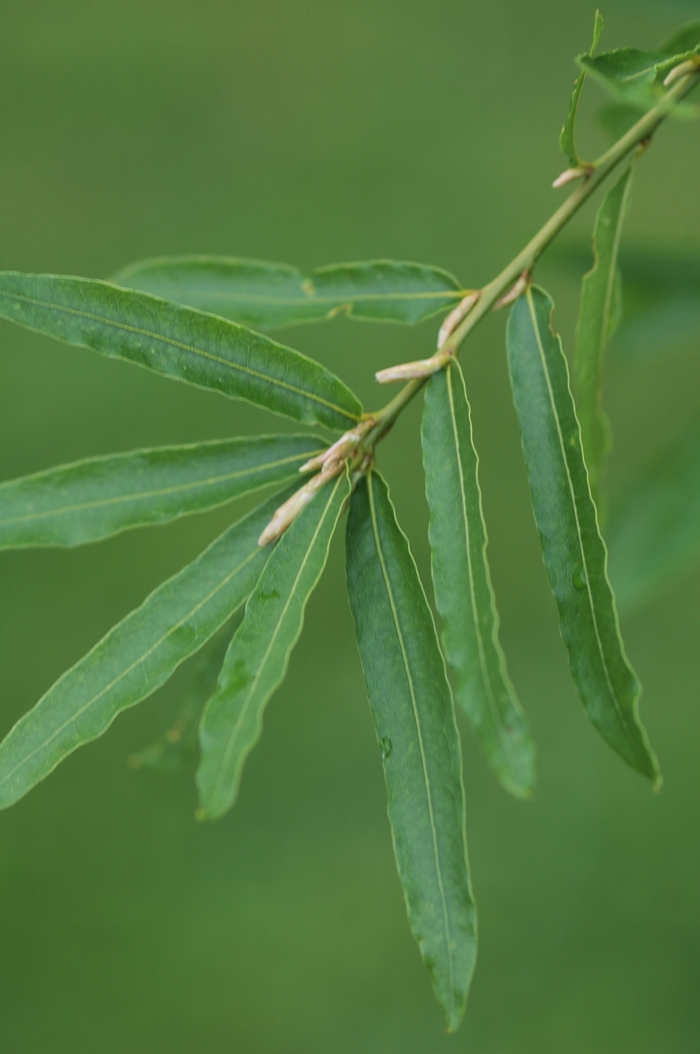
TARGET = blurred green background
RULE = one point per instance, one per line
(311, 133)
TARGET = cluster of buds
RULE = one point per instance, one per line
(330, 463)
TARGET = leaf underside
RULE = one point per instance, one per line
(574, 552)
(414, 718)
(463, 591)
(95, 498)
(598, 319)
(137, 656)
(256, 662)
(182, 343)
(268, 295)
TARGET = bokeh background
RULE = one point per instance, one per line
(311, 133)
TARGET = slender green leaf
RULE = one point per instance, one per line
(256, 662)
(574, 552)
(180, 342)
(463, 590)
(266, 295)
(414, 718)
(567, 139)
(655, 532)
(137, 656)
(599, 316)
(95, 498)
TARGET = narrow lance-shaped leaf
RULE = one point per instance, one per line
(573, 550)
(257, 659)
(98, 497)
(137, 656)
(567, 139)
(180, 342)
(266, 295)
(655, 532)
(414, 717)
(463, 590)
(598, 318)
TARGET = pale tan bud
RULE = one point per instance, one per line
(286, 514)
(517, 290)
(342, 447)
(408, 371)
(456, 315)
(572, 174)
(691, 66)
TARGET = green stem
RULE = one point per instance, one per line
(525, 260)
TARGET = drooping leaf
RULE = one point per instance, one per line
(180, 342)
(257, 659)
(414, 718)
(463, 590)
(267, 295)
(178, 747)
(137, 656)
(655, 532)
(567, 139)
(95, 498)
(599, 316)
(574, 552)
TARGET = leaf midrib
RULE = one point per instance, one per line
(191, 349)
(419, 731)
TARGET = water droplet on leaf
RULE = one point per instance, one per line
(386, 746)
(579, 579)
